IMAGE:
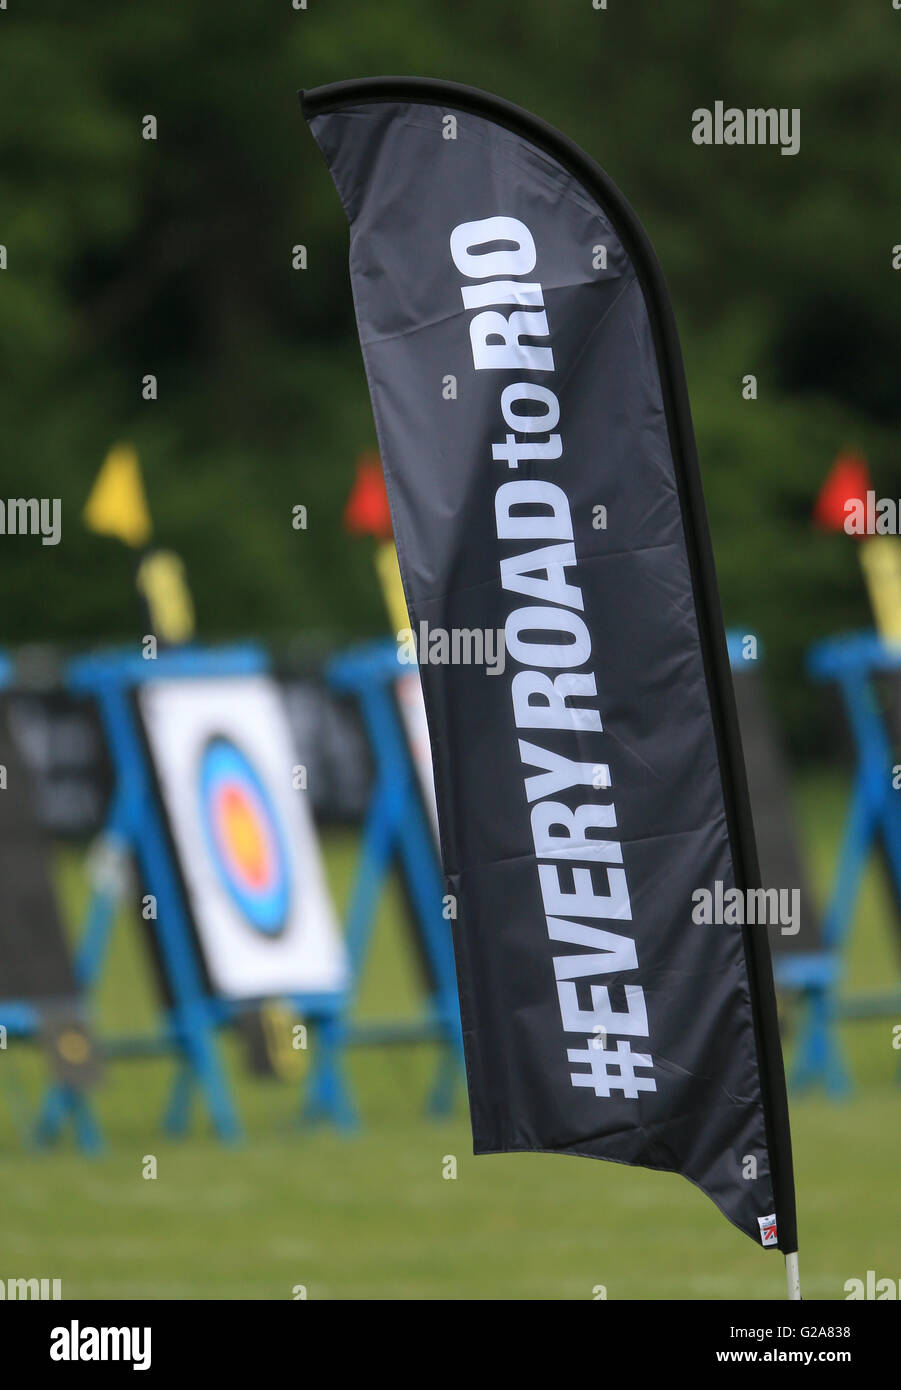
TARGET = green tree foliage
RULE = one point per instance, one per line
(129, 256)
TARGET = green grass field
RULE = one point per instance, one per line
(371, 1216)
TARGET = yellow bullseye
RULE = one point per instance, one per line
(244, 837)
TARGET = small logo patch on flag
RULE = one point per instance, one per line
(768, 1235)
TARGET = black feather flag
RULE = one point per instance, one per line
(532, 414)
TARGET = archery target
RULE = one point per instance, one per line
(243, 836)
(408, 690)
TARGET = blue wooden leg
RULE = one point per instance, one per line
(87, 1131)
(375, 861)
(327, 1094)
(51, 1117)
(178, 1111)
(202, 1065)
(62, 1102)
(856, 841)
(427, 888)
(819, 1058)
(441, 1099)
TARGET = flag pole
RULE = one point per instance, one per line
(793, 1276)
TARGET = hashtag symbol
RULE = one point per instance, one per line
(612, 1071)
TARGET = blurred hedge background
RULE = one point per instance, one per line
(174, 257)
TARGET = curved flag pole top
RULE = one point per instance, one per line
(342, 96)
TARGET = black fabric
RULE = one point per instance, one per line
(886, 687)
(530, 965)
(34, 957)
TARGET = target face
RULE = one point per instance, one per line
(244, 838)
(408, 689)
(243, 835)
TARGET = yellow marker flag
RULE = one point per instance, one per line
(117, 505)
(288, 1061)
(388, 571)
(161, 579)
(880, 559)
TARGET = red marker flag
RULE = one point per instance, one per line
(848, 480)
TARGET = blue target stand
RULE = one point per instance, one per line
(812, 975)
(397, 833)
(852, 663)
(22, 1019)
(136, 827)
